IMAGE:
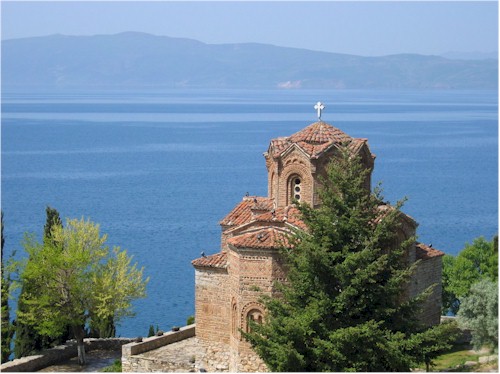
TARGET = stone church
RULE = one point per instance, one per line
(229, 284)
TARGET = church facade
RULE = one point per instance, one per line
(229, 284)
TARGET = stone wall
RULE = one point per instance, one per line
(214, 356)
(60, 353)
(245, 360)
(250, 362)
(138, 364)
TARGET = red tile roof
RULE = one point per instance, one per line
(268, 238)
(424, 252)
(314, 139)
(288, 214)
(320, 133)
(218, 260)
(242, 213)
(260, 209)
(356, 144)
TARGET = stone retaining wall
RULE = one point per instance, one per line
(61, 353)
(134, 364)
(144, 365)
(180, 356)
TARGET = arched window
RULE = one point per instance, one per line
(254, 315)
(295, 187)
(234, 319)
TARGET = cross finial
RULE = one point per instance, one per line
(319, 107)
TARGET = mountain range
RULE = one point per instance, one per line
(135, 60)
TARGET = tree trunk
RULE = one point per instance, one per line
(79, 335)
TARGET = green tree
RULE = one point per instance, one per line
(477, 261)
(79, 280)
(151, 331)
(428, 345)
(53, 219)
(7, 328)
(342, 307)
(479, 313)
(28, 341)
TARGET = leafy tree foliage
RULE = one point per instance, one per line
(479, 313)
(102, 328)
(79, 280)
(428, 345)
(7, 328)
(477, 261)
(28, 341)
(342, 308)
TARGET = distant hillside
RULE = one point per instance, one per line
(137, 60)
(470, 55)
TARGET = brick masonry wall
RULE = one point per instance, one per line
(212, 301)
(254, 273)
(310, 171)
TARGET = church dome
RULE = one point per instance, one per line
(320, 133)
(313, 139)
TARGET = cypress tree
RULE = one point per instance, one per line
(102, 327)
(342, 307)
(53, 219)
(151, 331)
(7, 328)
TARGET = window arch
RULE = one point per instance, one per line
(253, 311)
(234, 319)
(255, 315)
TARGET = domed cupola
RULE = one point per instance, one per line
(294, 163)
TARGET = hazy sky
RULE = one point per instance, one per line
(368, 28)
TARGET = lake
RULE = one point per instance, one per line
(158, 170)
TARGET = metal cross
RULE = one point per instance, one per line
(319, 107)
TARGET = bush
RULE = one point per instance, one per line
(479, 313)
(115, 368)
(477, 261)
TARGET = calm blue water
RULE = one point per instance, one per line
(158, 170)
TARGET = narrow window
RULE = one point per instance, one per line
(295, 188)
(234, 320)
